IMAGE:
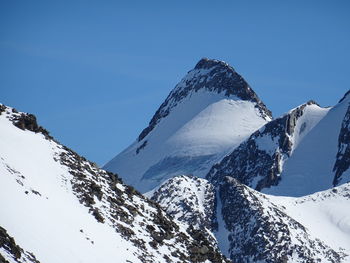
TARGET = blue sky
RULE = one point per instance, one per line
(94, 72)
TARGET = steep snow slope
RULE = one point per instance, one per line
(211, 111)
(254, 227)
(62, 208)
(310, 168)
(259, 161)
(325, 214)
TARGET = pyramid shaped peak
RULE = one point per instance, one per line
(206, 63)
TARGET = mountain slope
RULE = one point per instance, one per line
(300, 153)
(63, 208)
(258, 162)
(211, 111)
(311, 167)
(262, 228)
(253, 227)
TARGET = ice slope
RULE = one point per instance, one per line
(310, 168)
(253, 227)
(62, 208)
(211, 111)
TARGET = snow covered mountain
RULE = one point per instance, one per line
(58, 207)
(217, 173)
(211, 111)
(253, 227)
(300, 153)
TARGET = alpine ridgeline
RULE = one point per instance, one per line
(56, 206)
(249, 226)
(211, 111)
(219, 163)
(302, 161)
(305, 151)
(219, 172)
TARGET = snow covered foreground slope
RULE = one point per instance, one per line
(58, 207)
(211, 111)
(253, 227)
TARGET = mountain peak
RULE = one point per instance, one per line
(345, 96)
(209, 75)
(206, 63)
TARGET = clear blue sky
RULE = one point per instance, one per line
(94, 72)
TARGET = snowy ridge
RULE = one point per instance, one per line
(211, 111)
(53, 192)
(211, 75)
(317, 160)
(258, 162)
(253, 227)
(263, 231)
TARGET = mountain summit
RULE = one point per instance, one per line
(209, 112)
(210, 75)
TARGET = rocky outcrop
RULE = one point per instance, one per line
(188, 199)
(10, 251)
(191, 201)
(211, 75)
(24, 121)
(342, 162)
(258, 161)
(260, 231)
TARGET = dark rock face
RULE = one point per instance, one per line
(345, 95)
(255, 166)
(18, 254)
(342, 162)
(211, 75)
(188, 199)
(261, 231)
(28, 122)
(2, 108)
